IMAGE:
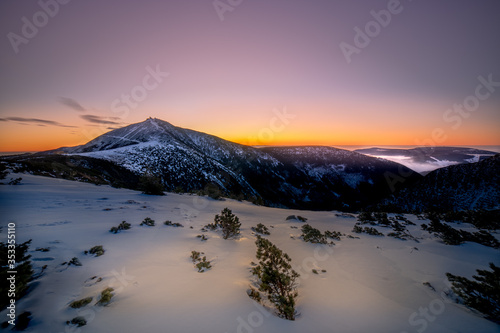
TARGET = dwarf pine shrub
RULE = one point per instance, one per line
(122, 226)
(78, 321)
(200, 262)
(261, 229)
(75, 262)
(80, 303)
(148, 222)
(276, 277)
(97, 250)
(312, 235)
(106, 296)
(170, 224)
(228, 222)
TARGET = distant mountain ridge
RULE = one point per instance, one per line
(458, 187)
(305, 177)
(186, 160)
(426, 159)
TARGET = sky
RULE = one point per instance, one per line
(258, 72)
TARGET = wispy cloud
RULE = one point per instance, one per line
(35, 121)
(71, 103)
(100, 120)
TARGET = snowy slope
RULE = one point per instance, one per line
(372, 284)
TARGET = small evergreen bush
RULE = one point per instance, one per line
(357, 229)
(367, 230)
(312, 235)
(333, 234)
(210, 226)
(148, 221)
(200, 262)
(366, 217)
(106, 296)
(276, 277)
(177, 225)
(372, 231)
(97, 250)
(78, 321)
(122, 226)
(74, 261)
(228, 222)
(382, 218)
(16, 181)
(80, 303)
(261, 229)
(195, 256)
(428, 284)
(298, 218)
(255, 295)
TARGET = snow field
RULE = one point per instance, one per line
(371, 284)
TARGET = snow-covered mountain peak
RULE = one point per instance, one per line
(150, 130)
(314, 177)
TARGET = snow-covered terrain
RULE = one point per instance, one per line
(371, 284)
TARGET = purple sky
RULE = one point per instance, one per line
(230, 78)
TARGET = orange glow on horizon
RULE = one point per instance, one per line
(304, 130)
(24, 138)
(48, 138)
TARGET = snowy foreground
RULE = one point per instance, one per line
(371, 284)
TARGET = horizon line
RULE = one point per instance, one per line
(358, 146)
